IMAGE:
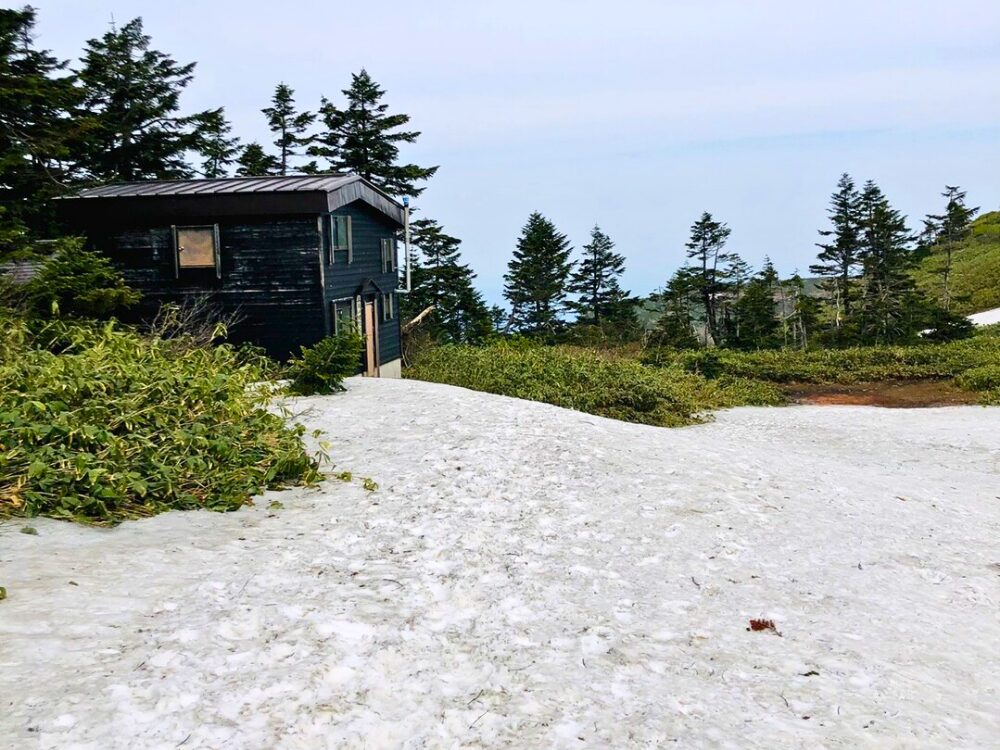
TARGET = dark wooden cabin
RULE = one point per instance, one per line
(295, 258)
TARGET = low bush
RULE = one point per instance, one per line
(589, 381)
(321, 369)
(853, 365)
(99, 424)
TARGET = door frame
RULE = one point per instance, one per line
(369, 317)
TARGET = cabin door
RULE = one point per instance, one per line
(371, 340)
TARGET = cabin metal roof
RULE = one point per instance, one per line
(339, 190)
(224, 185)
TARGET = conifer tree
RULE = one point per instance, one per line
(840, 257)
(363, 138)
(805, 314)
(675, 327)
(216, 144)
(288, 125)
(38, 101)
(133, 130)
(948, 229)
(441, 279)
(890, 308)
(254, 161)
(759, 325)
(595, 279)
(706, 248)
(537, 276)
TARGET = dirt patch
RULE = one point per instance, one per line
(892, 394)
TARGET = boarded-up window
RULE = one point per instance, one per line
(388, 256)
(341, 245)
(197, 247)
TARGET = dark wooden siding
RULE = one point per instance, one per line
(368, 229)
(270, 277)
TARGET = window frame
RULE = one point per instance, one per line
(175, 233)
(389, 264)
(339, 244)
(388, 306)
(347, 303)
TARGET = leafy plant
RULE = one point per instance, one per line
(77, 283)
(100, 424)
(585, 380)
(321, 369)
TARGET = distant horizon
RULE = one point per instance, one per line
(637, 121)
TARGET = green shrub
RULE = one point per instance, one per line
(99, 424)
(77, 283)
(321, 369)
(584, 380)
(985, 378)
(853, 365)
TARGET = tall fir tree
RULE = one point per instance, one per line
(363, 138)
(948, 229)
(217, 145)
(595, 279)
(290, 127)
(36, 119)
(442, 280)
(890, 309)
(133, 129)
(537, 275)
(706, 249)
(840, 257)
(254, 161)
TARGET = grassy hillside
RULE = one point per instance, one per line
(975, 268)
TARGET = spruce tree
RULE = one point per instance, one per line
(441, 279)
(363, 138)
(254, 161)
(595, 280)
(840, 257)
(133, 130)
(759, 325)
(675, 326)
(948, 229)
(216, 144)
(537, 276)
(706, 248)
(891, 310)
(36, 119)
(288, 125)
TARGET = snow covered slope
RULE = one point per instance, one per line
(986, 318)
(530, 577)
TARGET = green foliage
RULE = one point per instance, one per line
(537, 276)
(595, 280)
(77, 283)
(100, 424)
(288, 125)
(131, 128)
(440, 279)
(217, 144)
(321, 368)
(255, 162)
(584, 380)
(975, 268)
(850, 365)
(363, 138)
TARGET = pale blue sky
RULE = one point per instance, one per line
(634, 115)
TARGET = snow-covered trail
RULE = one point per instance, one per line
(531, 577)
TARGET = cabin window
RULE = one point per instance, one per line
(388, 255)
(388, 306)
(197, 247)
(342, 313)
(341, 246)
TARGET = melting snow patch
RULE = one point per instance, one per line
(579, 583)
